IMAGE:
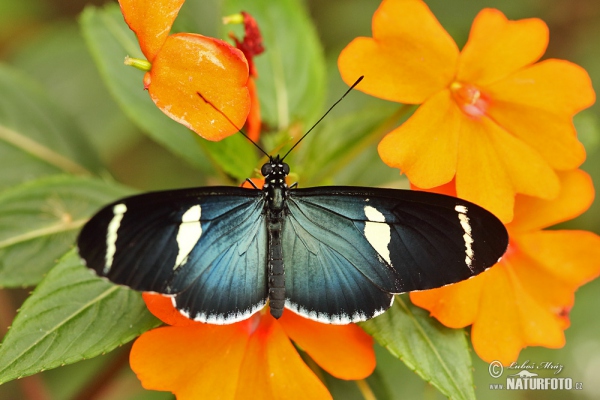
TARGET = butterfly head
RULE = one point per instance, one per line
(275, 171)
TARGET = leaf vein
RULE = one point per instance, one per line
(42, 152)
(52, 331)
(46, 231)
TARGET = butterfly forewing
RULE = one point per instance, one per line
(346, 247)
(205, 246)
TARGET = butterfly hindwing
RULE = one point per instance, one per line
(206, 247)
(347, 248)
(331, 275)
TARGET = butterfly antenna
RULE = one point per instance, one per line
(324, 115)
(231, 122)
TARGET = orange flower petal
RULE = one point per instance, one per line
(548, 289)
(481, 177)
(539, 325)
(259, 182)
(253, 124)
(576, 196)
(555, 86)
(572, 257)
(510, 320)
(537, 105)
(410, 57)
(162, 308)
(151, 20)
(497, 333)
(498, 47)
(345, 351)
(529, 173)
(190, 361)
(425, 147)
(273, 369)
(189, 64)
(493, 166)
(455, 306)
(447, 188)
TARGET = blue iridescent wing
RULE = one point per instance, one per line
(206, 247)
(347, 249)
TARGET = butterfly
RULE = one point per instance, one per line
(334, 254)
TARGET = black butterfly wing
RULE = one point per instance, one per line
(347, 249)
(205, 246)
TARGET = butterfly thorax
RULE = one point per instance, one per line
(275, 189)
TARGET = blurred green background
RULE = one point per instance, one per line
(41, 38)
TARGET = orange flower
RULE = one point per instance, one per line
(253, 358)
(185, 64)
(524, 300)
(490, 117)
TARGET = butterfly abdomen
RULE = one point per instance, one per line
(275, 268)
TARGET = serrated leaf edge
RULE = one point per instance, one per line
(50, 331)
(430, 344)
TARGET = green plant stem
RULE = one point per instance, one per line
(365, 390)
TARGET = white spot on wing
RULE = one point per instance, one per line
(111, 236)
(378, 233)
(189, 233)
(466, 225)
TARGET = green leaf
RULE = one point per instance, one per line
(58, 58)
(438, 354)
(291, 82)
(350, 390)
(37, 138)
(335, 152)
(71, 315)
(109, 40)
(235, 154)
(39, 221)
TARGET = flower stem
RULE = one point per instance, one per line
(365, 390)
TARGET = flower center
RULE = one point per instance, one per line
(470, 99)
